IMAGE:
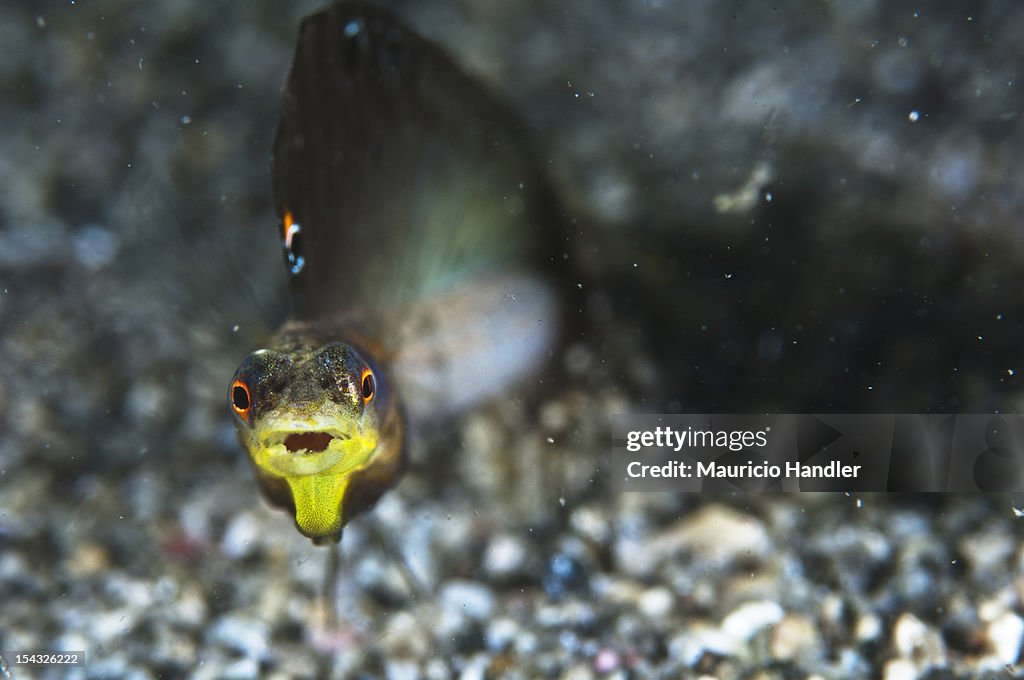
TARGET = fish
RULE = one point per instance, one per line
(419, 235)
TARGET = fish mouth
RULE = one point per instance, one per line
(310, 442)
(295, 449)
(305, 442)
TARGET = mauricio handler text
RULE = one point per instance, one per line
(749, 470)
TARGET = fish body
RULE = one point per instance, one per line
(417, 235)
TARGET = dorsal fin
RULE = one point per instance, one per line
(395, 174)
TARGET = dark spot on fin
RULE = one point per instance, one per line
(293, 250)
(389, 155)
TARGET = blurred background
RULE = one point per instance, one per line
(797, 206)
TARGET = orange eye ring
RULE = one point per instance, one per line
(241, 400)
(369, 386)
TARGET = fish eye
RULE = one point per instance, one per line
(369, 386)
(241, 400)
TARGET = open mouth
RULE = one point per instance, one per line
(291, 450)
(309, 442)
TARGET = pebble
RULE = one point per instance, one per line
(108, 626)
(565, 574)
(476, 669)
(172, 648)
(1004, 636)
(189, 609)
(700, 639)
(130, 592)
(591, 523)
(656, 602)
(241, 537)
(527, 643)
(991, 608)
(554, 416)
(400, 669)
(471, 598)
(436, 669)
(987, 551)
(88, 559)
(505, 556)
(15, 572)
(868, 628)
(148, 400)
(619, 590)
(832, 610)
(606, 660)
(795, 638)
(900, 669)
(852, 664)
(110, 665)
(72, 640)
(573, 613)
(95, 247)
(243, 635)
(194, 516)
(405, 637)
(917, 642)
(748, 619)
(500, 634)
(242, 669)
(379, 574)
(715, 533)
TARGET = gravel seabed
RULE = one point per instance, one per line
(790, 206)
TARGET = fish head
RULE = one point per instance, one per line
(321, 429)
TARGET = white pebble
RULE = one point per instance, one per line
(744, 622)
(908, 634)
(246, 636)
(656, 602)
(472, 599)
(1005, 635)
(401, 669)
(900, 669)
(691, 646)
(476, 669)
(189, 610)
(915, 640)
(241, 536)
(500, 635)
(795, 637)
(504, 556)
(869, 627)
(111, 625)
(243, 669)
(716, 534)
